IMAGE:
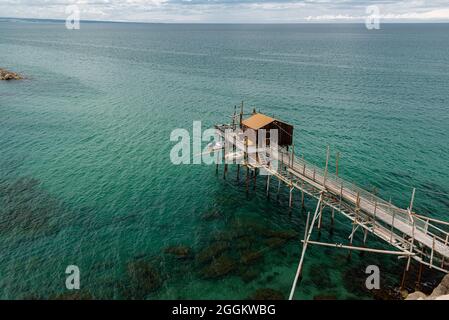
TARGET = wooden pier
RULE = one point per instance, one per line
(413, 236)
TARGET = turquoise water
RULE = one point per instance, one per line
(86, 178)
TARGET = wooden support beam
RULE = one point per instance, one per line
(342, 246)
(279, 188)
(255, 179)
(337, 159)
(302, 195)
(327, 166)
(290, 200)
(268, 185)
(304, 248)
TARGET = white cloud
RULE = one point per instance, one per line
(250, 11)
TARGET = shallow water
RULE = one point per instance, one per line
(85, 173)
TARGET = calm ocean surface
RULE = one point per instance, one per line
(86, 178)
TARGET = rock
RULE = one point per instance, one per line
(249, 257)
(214, 215)
(441, 289)
(445, 297)
(267, 294)
(248, 274)
(212, 251)
(275, 242)
(144, 277)
(417, 295)
(8, 75)
(219, 267)
(180, 252)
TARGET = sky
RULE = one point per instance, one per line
(232, 11)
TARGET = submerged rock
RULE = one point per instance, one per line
(213, 215)
(441, 292)
(441, 289)
(180, 252)
(212, 251)
(249, 257)
(267, 294)
(219, 267)
(248, 274)
(9, 75)
(275, 242)
(144, 279)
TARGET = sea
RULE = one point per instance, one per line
(86, 178)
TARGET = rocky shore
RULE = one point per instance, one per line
(441, 292)
(9, 75)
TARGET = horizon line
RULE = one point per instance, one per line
(231, 23)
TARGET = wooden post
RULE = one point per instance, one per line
(337, 158)
(225, 170)
(255, 179)
(341, 196)
(246, 161)
(291, 197)
(326, 168)
(392, 226)
(374, 217)
(247, 179)
(293, 154)
(302, 195)
(332, 216)
(404, 275)
(411, 245)
(238, 172)
(431, 253)
(304, 248)
(279, 189)
(350, 239)
(268, 185)
(241, 115)
(418, 281)
(412, 200)
(321, 216)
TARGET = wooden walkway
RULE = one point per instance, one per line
(414, 236)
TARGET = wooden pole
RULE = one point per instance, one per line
(238, 172)
(337, 158)
(321, 216)
(412, 200)
(418, 281)
(304, 248)
(225, 170)
(327, 164)
(342, 246)
(268, 185)
(302, 195)
(255, 179)
(291, 197)
(279, 188)
(241, 114)
(246, 161)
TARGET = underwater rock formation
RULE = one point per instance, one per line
(180, 252)
(219, 267)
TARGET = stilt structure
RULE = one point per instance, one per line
(414, 236)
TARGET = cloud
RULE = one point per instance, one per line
(288, 11)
